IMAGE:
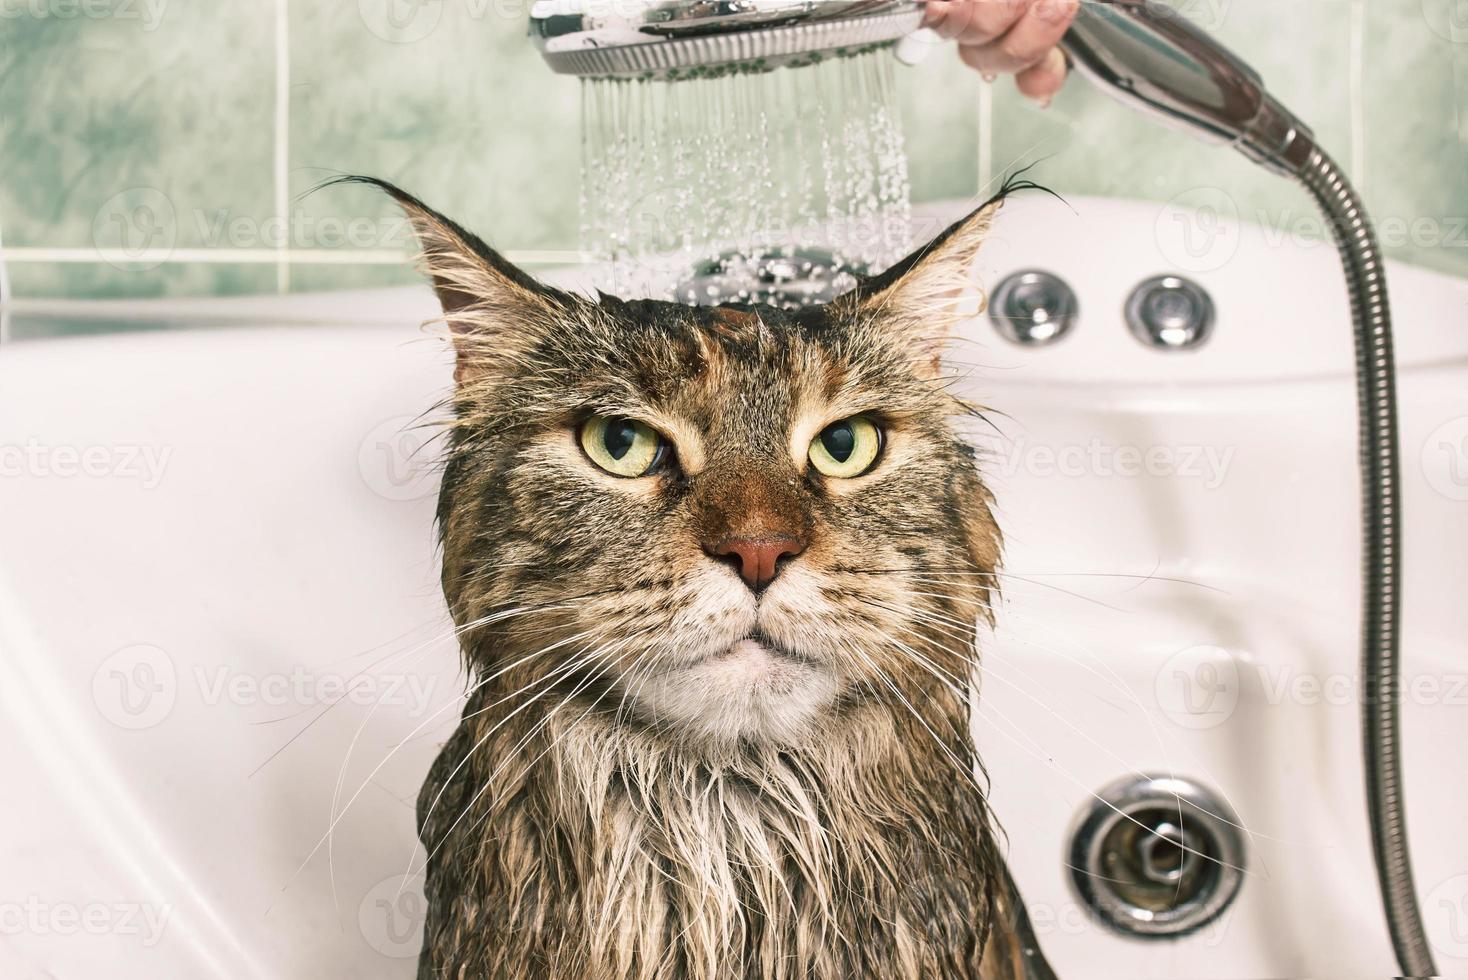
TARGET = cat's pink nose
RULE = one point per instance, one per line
(758, 559)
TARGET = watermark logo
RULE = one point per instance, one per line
(220, 228)
(1198, 230)
(33, 458)
(400, 21)
(396, 459)
(1448, 19)
(1445, 459)
(1445, 912)
(135, 230)
(35, 917)
(1310, 230)
(136, 687)
(1207, 14)
(300, 687)
(1198, 687)
(391, 918)
(1206, 465)
(148, 13)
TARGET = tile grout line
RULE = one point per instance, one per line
(1357, 70)
(5, 297)
(257, 256)
(282, 142)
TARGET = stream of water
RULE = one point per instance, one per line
(742, 168)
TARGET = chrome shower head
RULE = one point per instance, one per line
(1138, 51)
(680, 39)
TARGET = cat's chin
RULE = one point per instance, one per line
(751, 691)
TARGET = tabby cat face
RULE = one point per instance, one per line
(729, 523)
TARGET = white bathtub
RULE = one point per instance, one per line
(203, 530)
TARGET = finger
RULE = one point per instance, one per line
(1028, 42)
(1041, 82)
(973, 21)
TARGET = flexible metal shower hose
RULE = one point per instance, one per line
(1381, 555)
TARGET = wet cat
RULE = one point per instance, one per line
(716, 574)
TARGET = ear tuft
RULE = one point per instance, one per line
(492, 307)
(920, 298)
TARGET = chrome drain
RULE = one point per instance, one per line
(1157, 857)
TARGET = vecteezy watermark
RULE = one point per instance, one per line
(1309, 229)
(135, 230)
(299, 687)
(1285, 684)
(138, 229)
(1198, 230)
(136, 687)
(1447, 19)
(220, 228)
(1445, 459)
(33, 458)
(406, 21)
(1207, 14)
(396, 459)
(1200, 687)
(401, 21)
(35, 917)
(149, 13)
(391, 917)
(1098, 458)
(1445, 913)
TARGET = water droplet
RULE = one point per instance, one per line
(678, 173)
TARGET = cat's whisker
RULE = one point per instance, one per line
(1147, 713)
(942, 624)
(332, 814)
(547, 680)
(1045, 757)
(882, 676)
(336, 817)
(933, 616)
(997, 653)
(325, 837)
(600, 654)
(1141, 578)
(1092, 741)
(518, 692)
(347, 686)
(1010, 577)
(577, 662)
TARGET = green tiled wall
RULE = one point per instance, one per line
(157, 131)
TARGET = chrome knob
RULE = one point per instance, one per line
(1033, 308)
(1165, 856)
(1170, 313)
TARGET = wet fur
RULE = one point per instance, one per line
(626, 800)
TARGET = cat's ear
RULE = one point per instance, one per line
(495, 311)
(920, 299)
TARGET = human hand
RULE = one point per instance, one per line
(1012, 37)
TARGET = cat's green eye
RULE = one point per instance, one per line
(846, 448)
(622, 447)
